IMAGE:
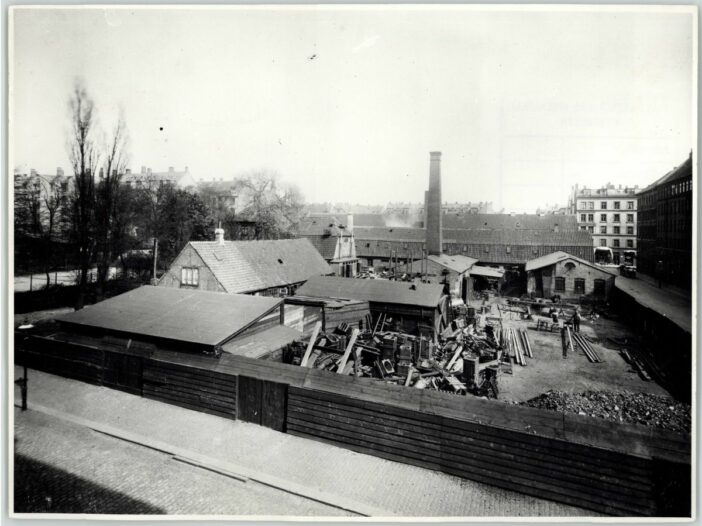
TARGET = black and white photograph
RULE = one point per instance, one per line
(408, 262)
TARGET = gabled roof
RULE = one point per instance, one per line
(375, 290)
(248, 266)
(457, 263)
(556, 257)
(187, 315)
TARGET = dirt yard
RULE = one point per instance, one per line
(575, 374)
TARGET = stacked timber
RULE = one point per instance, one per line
(586, 347)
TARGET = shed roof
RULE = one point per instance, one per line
(187, 315)
(375, 290)
(555, 257)
(247, 266)
(488, 272)
(457, 263)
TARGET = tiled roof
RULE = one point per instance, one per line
(187, 315)
(457, 263)
(374, 290)
(477, 236)
(247, 266)
(325, 245)
(510, 222)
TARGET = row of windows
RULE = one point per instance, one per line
(616, 218)
(590, 205)
(617, 230)
(616, 243)
(579, 285)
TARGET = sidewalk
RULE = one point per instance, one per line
(669, 301)
(360, 484)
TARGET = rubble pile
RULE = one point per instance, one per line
(461, 359)
(632, 408)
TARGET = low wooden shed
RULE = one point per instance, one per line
(413, 307)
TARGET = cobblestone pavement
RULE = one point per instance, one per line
(398, 488)
(64, 468)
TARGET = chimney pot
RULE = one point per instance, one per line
(59, 171)
(219, 236)
(143, 169)
(170, 169)
(129, 170)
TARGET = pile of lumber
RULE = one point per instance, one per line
(516, 343)
(586, 347)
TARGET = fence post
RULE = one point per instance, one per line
(56, 277)
(30, 282)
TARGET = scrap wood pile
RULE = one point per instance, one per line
(461, 360)
(633, 408)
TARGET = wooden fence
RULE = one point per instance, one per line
(610, 468)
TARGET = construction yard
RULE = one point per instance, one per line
(510, 350)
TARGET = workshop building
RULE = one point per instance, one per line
(567, 276)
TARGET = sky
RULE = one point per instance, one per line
(347, 102)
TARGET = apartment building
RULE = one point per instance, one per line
(610, 215)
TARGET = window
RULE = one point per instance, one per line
(189, 276)
(509, 250)
(591, 229)
(603, 217)
(583, 228)
(617, 218)
(629, 205)
(582, 205)
(603, 205)
(591, 218)
(617, 229)
(603, 230)
(629, 243)
(560, 284)
(630, 218)
(617, 205)
(615, 243)
(583, 218)
(630, 230)
(591, 205)
(579, 286)
(603, 242)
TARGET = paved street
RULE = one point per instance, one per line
(66, 468)
(342, 479)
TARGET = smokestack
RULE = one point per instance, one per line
(219, 235)
(143, 169)
(433, 208)
(349, 223)
(59, 171)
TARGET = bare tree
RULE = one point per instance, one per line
(109, 225)
(274, 207)
(84, 159)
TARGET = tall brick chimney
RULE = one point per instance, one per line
(433, 206)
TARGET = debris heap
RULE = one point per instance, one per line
(632, 408)
(462, 359)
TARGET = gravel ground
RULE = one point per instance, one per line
(632, 408)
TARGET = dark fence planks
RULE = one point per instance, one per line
(607, 467)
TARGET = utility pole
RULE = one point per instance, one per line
(154, 279)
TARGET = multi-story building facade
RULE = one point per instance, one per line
(665, 231)
(610, 215)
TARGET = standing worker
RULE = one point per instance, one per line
(576, 320)
(563, 338)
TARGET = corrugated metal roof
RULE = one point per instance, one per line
(247, 266)
(457, 263)
(375, 290)
(186, 315)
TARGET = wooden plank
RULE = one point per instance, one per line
(347, 352)
(209, 411)
(273, 405)
(227, 398)
(195, 399)
(310, 345)
(249, 399)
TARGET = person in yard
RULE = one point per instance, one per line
(576, 320)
